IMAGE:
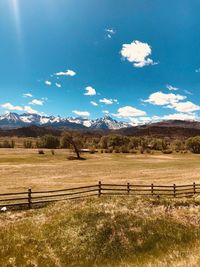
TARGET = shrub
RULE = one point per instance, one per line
(124, 149)
(167, 151)
(52, 152)
(133, 151)
(41, 152)
(48, 141)
(193, 144)
(28, 144)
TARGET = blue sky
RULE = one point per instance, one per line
(138, 60)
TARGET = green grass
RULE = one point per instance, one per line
(103, 232)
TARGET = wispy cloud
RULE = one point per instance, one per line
(81, 113)
(93, 103)
(109, 32)
(90, 91)
(106, 101)
(137, 53)
(27, 95)
(171, 88)
(66, 73)
(58, 85)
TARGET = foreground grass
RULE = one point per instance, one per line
(118, 232)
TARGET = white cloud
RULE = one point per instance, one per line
(27, 95)
(171, 88)
(94, 103)
(81, 113)
(129, 111)
(90, 91)
(160, 99)
(28, 109)
(180, 116)
(58, 85)
(37, 102)
(106, 101)
(185, 107)
(105, 111)
(137, 53)
(9, 106)
(109, 33)
(48, 83)
(197, 70)
(66, 73)
(187, 92)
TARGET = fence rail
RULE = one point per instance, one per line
(32, 198)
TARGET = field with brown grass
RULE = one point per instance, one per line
(24, 168)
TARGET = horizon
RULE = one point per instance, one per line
(90, 58)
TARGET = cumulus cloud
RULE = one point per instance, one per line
(37, 102)
(137, 53)
(81, 113)
(48, 82)
(11, 107)
(29, 109)
(171, 88)
(27, 95)
(66, 73)
(58, 85)
(128, 112)
(180, 116)
(106, 101)
(185, 107)
(160, 99)
(93, 103)
(90, 91)
(197, 70)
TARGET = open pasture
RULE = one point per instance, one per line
(24, 168)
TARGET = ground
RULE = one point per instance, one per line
(24, 168)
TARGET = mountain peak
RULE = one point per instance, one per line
(14, 120)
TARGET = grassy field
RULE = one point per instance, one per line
(105, 232)
(24, 168)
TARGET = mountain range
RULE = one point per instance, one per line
(14, 120)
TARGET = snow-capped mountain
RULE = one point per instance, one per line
(14, 120)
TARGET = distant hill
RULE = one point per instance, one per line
(170, 128)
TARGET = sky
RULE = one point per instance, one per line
(135, 60)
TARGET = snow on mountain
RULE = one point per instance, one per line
(14, 120)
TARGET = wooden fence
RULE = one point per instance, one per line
(30, 199)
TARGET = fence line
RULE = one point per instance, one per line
(31, 198)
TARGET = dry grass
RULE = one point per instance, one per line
(24, 168)
(105, 232)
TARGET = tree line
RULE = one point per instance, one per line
(116, 143)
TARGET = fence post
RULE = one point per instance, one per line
(128, 188)
(152, 189)
(29, 198)
(194, 188)
(174, 190)
(99, 192)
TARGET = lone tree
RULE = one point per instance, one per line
(72, 140)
